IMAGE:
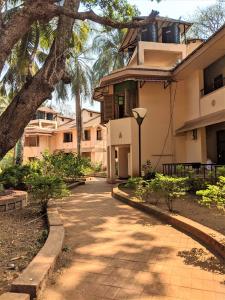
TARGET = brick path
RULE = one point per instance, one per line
(117, 252)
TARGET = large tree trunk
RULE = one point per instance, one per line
(39, 88)
(78, 121)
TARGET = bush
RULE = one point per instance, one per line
(45, 187)
(170, 187)
(133, 182)
(214, 194)
(195, 184)
(14, 177)
(65, 165)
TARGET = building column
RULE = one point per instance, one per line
(111, 178)
(123, 162)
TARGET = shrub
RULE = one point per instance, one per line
(65, 165)
(45, 187)
(133, 182)
(214, 194)
(220, 171)
(170, 187)
(14, 177)
(195, 184)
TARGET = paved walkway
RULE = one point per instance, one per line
(117, 252)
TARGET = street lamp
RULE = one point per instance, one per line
(139, 115)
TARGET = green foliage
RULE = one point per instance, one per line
(169, 187)
(7, 161)
(214, 194)
(133, 182)
(1, 188)
(221, 171)
(64, 165)
(196, 183)
(45, 187)
(15, 176)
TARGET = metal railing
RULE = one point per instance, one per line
(205, 171)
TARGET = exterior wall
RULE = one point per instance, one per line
(156, 135)
(36, 152)
(96, 148)
(213, 102)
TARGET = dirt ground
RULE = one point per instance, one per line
(190, 208)
(22, 234)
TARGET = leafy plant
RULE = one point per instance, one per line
(220, 171)
(133, 182)
(45, 187)
(196, 183)
(14, 176)
(170, 187)
(214, 194)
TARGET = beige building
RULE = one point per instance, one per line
(54, 132)
(181, 84)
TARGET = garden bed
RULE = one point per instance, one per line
(190, 208)
(22, 235)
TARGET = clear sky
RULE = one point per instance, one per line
(169, 8)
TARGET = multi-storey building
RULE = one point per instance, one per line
(54, 132)
(181, 84)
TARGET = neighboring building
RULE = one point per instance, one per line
(54, 132)
(181, 83)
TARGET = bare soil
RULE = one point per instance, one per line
(22, 234)
(190, 208)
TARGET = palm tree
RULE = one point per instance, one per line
(106, 46)
(80, 74)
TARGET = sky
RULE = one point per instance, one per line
(167, 8)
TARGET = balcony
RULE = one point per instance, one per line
(213, 102)
(121, 131)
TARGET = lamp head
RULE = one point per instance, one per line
(139, 114)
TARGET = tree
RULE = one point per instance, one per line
(40, 85)
(80, 75)
(106, 45)
(207, 20)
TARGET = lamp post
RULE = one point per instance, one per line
(139, 115)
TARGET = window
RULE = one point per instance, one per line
(218, 82)
(87, 135)
(99, 134)
(49, 116)
(91, 114)
(194, 134)
(67, 137)
(32, 141)
(32, 159)
(40, 115)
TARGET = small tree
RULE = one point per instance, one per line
(214, 194)
(172, 188)
(43, 188)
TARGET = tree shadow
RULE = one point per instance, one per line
(200, 258)
(112, 251)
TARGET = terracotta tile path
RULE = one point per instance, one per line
(117, 252)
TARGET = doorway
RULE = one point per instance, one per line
(221, 147)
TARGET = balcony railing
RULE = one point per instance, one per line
(205, 171)
(204, 92)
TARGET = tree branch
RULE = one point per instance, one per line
(91, 15)
(22, 108)
(20, 23)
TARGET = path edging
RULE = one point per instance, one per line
(16, 200)
(33, 279)
(75, 184)
(213, 239)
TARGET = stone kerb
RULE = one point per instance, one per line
(13, 200)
